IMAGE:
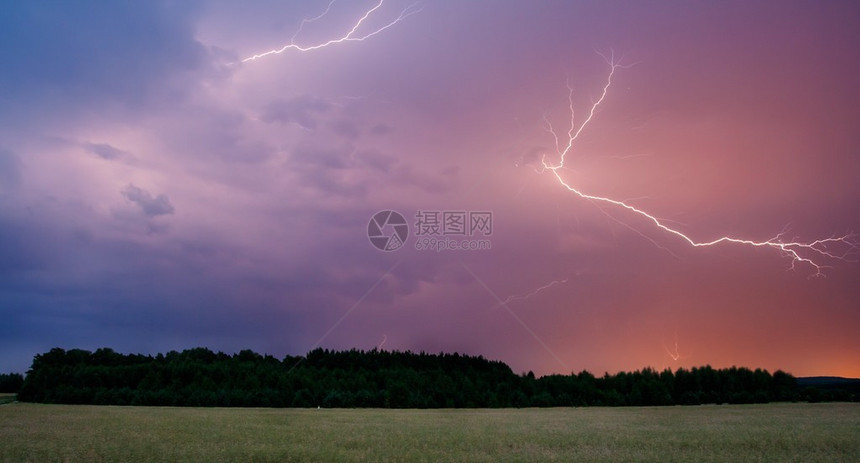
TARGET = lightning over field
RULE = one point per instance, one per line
(813, 253)
(673, 353)
(352, 35)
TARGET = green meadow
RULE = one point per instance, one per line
(774, 432)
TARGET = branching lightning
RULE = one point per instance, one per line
(520, 297)
(674, 354)
(812, 253)
(351, 36)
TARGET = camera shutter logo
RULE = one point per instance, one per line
(387, 230)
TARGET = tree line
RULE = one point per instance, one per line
(10, 382)
(387, 379)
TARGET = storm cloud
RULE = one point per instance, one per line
(149, 205)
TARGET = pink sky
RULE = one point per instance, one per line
(156, 193)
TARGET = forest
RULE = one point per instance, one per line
(11, 382)
(384, 379)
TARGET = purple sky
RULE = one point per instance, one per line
(156, 193)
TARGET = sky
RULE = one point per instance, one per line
(159, 193)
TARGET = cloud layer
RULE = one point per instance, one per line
(157, 194)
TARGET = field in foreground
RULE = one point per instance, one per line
(773, 432)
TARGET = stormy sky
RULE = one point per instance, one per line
(158, 193)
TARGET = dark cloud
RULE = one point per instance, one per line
(73, 293)
(70, 56)
(332, 171)
(350, 172)
(105, 151)
(151, 206)
(23, 247)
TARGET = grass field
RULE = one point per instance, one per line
(774, 432)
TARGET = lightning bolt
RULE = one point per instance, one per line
(811, 253)
(676, 354)
(520, 297)
(384, 337)
(351, 36)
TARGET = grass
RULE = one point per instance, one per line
(7, 398)
(773, 432)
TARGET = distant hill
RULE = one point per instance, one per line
(828, 388)
(828, 381)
